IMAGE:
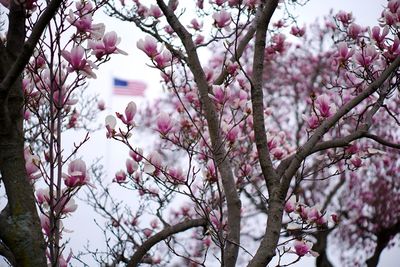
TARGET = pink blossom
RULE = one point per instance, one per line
(153, 164)
(77, 174)
(120, 177)
(101, 105)
(136, 155)
(106, 46)
(84, 24)
(45, 224)
(131, 166)
(377, 36)
(296, 31)
(315, 216)
(251, 4)
(393, 5)
(195, 24)
(344, 17)
(164, 123)
(290, 205)
(154, 11)
(219, 2)
(211, 172)
(366, 56)
(232, 134)
(148, 45)
(110, 123)
(220, 94)
(163, 59)
(64, 262)
(130, 112)
(77, 61)
(356, 161)
(147, 232)
(222, 19)
(325, 106)
(199, 39)
(302, 248)
(43, 196)
(73, 119)
(176, 175)
(343, 54)
(354, 30)
(32, 165)
(233, 3)
(66, 205)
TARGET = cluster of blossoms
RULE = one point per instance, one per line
(301, 103)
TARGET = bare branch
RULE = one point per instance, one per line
(219, 152)
(162, 235)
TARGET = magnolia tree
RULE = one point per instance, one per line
(282, 145)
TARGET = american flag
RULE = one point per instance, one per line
(128, 87)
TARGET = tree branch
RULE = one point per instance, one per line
(224, 166)
(162, 235)
(257, 98)
(23, 58)
(242, 45)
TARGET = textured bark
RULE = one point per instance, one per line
(383, 239)
(321, 247)
(219, 152)
(20, 229)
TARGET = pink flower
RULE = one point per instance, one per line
(110, 123)
(155, 11)
(153, 164)
(296, 31)
(148, 46)
(120, 177)
(147, 232)
(77, 174)
(354, 30)
(344, 17)
(302, 248)
(251, 4)
(163, 59)
(66, 205)
(83, 24)
(290, 205)
(356, 161)
(164, 123)
(194, 24)
(343, 54)
(32, 165)
(136, 155)
(130, 112)
(45, 224)
(107, 46)
(219, 2)
(312, 122)
(64, 262)
(377, 36)
(366, 56)
(177, 176)
(101, 105)
(222, 19)
(131, 166)
(232, 134)
(43, 196)
(199, 39)
(324, 105)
